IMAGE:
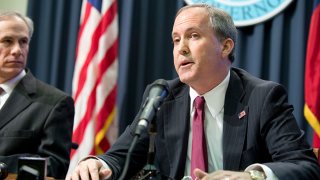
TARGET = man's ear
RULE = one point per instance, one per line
(227, 47)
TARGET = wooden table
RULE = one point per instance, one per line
(12, 176)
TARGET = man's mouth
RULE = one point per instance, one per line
(14, 63)
(186, 63)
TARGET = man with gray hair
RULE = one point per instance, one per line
(36, 119)
(217, 122)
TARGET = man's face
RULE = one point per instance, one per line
(198, 57)
(14, 47)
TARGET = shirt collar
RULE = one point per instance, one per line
(9, 85)
(215, 97)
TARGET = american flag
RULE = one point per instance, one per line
(94, 85)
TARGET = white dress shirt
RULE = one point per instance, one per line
(213, 125)
(8, 87)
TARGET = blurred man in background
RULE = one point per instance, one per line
(36, 119)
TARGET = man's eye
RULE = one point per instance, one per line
(6, 41)
(194, 36)
(176, 40)
(24, 41)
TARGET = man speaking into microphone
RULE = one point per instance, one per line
(217, 122)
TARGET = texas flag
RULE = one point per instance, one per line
(312, 75)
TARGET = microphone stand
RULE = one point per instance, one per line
(157, 92)
(150, 171)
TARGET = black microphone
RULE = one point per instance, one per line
(3, 170)
(158, 92)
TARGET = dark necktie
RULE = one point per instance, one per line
(199, 153)
(1, 91)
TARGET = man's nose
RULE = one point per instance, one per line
(16, 49)
(183, 48)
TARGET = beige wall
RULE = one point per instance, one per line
(16, 5)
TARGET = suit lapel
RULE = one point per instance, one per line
(235, 124)
(18, 100)
(176, 129)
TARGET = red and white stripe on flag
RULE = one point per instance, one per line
(94, 85)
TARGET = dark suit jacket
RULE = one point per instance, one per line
(267, 134)
(37, 120)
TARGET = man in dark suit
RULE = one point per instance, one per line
(36, 119)
(249, 128)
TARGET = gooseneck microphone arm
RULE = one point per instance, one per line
(149, 171)
(157, 93)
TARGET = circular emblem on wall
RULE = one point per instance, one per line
(247, 12)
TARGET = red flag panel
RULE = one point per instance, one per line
(312, 75)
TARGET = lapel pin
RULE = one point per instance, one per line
(242, 114)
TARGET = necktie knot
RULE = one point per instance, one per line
(199, 103)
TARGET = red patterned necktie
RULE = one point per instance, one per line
(199, 155)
